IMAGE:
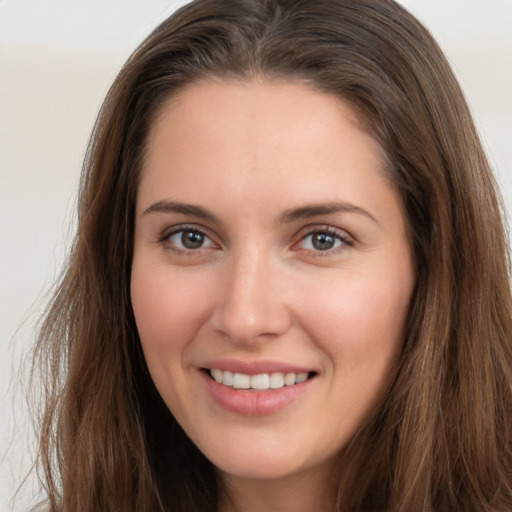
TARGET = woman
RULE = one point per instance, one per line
(289, 287)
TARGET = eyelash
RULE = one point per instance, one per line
(344, 241)
(167, 235)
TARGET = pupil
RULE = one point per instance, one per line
(323, 241)
(192, 239)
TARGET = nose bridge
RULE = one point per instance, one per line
(251, 304)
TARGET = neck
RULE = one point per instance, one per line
(304, 492)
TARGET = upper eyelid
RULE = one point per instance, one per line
(165, 239)
(172, 230)
(318, 228)
(300, 234)
(344, 239)
(326, 229)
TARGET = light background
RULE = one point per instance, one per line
(57, 60)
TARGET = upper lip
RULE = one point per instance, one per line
(254, 367)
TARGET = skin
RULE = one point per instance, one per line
(258, 288)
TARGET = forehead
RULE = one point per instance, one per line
(246, 137)
(215, 107)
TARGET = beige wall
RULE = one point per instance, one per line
(57, 59)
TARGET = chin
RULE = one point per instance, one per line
(262, 470)
(263, 463)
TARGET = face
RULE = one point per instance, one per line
(272, 273)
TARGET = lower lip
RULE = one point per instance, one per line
(254, 403)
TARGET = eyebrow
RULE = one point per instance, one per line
(294, 214)
(176, 207)
(315, 210)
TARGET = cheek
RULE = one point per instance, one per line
(360, 319)
(168, 309)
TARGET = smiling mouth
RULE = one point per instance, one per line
(260, 382)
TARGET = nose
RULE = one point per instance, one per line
(251, 304)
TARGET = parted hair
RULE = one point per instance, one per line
(440, 438)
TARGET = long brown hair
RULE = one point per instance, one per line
(441, 438)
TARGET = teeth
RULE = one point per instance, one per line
(276, 380)
(260, 381)
(227, 378)
(289, 379)
(263, 381)
(301, 377)
(241, 381)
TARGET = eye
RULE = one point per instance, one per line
(324, 240)
(188, 240)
